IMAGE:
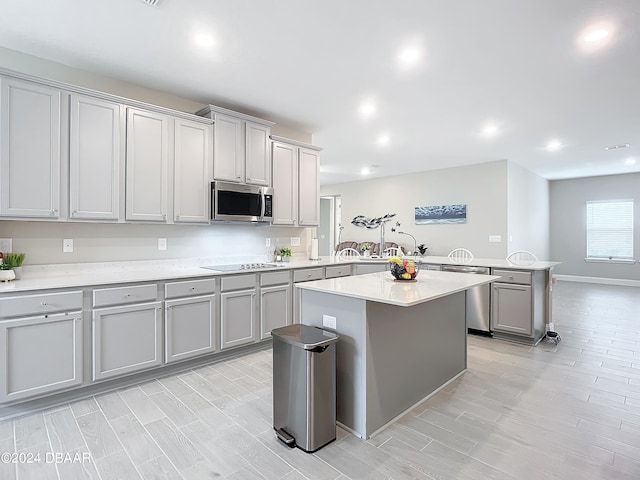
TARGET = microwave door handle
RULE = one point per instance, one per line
(263, 204)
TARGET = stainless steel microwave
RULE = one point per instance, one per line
(241, 202)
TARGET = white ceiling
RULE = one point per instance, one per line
(310, 64)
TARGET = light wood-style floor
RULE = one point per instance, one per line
(565, 412)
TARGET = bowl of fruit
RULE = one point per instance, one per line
(404, 270)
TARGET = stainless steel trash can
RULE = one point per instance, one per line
(304, 386)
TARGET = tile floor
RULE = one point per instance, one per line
(565, 412)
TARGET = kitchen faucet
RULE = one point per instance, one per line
(415, 249)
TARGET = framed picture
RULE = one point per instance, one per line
(441, 214)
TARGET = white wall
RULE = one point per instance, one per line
(483, 188)
(42, 241)
(527, 212)
(568, 223)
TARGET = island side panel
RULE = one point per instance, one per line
(411, 352)
(350, 351)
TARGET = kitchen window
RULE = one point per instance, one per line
(610, 231)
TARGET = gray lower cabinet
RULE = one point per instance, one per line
(189, 327)
(511, 309)
(360, 269)
(275, 308)
(40, 354)
(237, 318)
(126, 339)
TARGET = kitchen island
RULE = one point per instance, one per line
(399, 341)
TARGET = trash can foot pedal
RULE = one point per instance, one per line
(285, 438)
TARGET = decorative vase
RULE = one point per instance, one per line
(366, 253)
(17, 272)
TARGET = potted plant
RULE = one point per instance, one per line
(366, 246)
(6, 272)
(14, 260)
(285, 253)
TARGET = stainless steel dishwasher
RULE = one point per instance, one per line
(477, 302)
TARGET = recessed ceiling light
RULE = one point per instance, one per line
(383, 139)
(490, 130)
(368, 169)
(554, 145)
(596, 36)
(409, 56)
(203, 40)
(367, 109)
(630, 161)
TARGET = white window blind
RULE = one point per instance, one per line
(610, 229)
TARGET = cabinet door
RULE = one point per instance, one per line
(192, 172)
(285, 183)
(309, 188)
(189, 328)
(29, 149)
(228, 149)
(94, 159)
(275, 308)
(147, 156)
(257, 154)
(511, 309)
(39, 355)
(126, 339)
(237, 318)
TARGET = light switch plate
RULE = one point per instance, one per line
(162, 244)
(6, 245)
(267, 242)
(328, 321)
(67, 245)
(495, 238)
(295, 241)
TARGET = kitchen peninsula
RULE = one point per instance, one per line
(399, 341)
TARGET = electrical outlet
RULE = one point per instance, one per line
(295, 241)
(495, 238)
(267, 242)
(162, 244)
(67, 245)
(6, 245)
(328, 321)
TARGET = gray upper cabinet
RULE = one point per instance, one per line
(241, 151)
(192, 171)
(147, 160)
(296, 183)
(285, 183)
(257, 154)
(309, 188)
(95, 157)
(29, 149)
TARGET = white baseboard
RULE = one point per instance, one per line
(607, 281)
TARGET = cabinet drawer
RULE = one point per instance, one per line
(237, 282)
(513, 276)
(274, 278)
(338, 271)
(39, 304)
(123, 295)
(189, 288)
(307, 274)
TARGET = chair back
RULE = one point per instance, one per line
(522, 257)
(392, 252)
(460, 255)
(348, 252)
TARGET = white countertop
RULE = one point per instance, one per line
(381, 287)
(476, 262)
(71, 275)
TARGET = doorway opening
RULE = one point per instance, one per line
(330, 224)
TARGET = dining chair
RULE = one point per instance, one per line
(522, 257)
(348, 252)
(392, 252)
(460, 255)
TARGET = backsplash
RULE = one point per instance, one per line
(99, 242)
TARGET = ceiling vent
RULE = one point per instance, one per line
(153, 3)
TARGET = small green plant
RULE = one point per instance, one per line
(285, 252)
(366, 247)
(13, 259)
(6, 266)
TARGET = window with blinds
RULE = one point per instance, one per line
(610, 230)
